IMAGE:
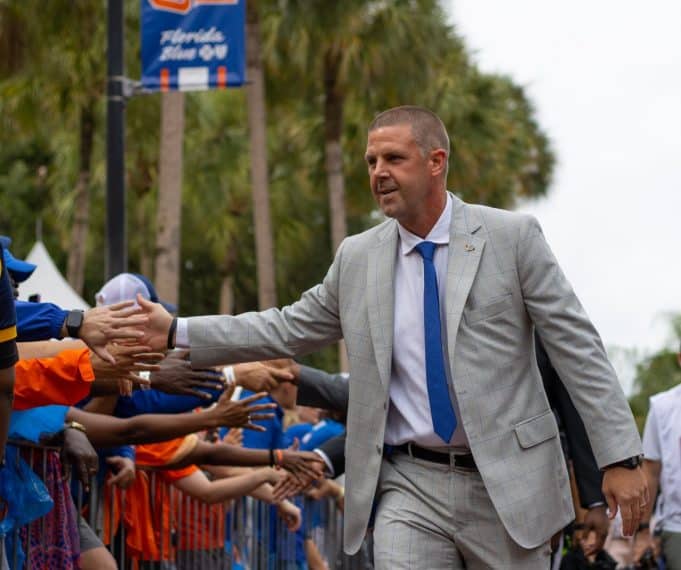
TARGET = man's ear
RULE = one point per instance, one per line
(438, 161)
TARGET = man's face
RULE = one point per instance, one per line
(403, 181)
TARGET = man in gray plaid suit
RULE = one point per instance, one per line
(449, 431)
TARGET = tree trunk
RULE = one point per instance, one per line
(75, 269)
(255, 93)
(333, 131)
(227, 295)
(169, 212)
(227, 270)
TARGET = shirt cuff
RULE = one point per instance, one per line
(57, 319)
(182, 334)
(330, 473)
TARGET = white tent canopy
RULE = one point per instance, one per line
(48, 282)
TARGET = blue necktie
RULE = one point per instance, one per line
(441, 409)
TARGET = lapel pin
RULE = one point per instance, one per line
(469, 247)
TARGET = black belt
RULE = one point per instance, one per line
(456, 460)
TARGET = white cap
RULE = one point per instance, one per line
(123, 287)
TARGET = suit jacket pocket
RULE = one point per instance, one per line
(494, 308)
(537, 429)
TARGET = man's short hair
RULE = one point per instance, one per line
(427, 128)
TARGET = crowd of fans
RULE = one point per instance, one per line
(116, 412)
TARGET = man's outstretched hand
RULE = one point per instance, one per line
(628, 490)
(157, 325)
(131, 359)
(176, 376)
(119, 322)
(241, 413)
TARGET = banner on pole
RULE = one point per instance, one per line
(193, 45)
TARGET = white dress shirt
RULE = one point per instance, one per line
(409, 417)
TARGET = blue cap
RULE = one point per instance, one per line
(19, 270)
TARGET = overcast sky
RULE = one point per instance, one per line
(605, 78)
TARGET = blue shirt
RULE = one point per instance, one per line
(296, 431)
(273, 436)
(320, 433)
(156, 402)
(39, 321)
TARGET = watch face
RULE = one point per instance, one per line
(74, 320)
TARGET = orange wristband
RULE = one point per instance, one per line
(279, 454)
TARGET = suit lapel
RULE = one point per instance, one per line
(381, 298)
(465, 251)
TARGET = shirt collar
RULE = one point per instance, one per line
(438, 234)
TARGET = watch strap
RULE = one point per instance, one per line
(628, 463)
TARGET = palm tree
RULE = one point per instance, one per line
(257, 127)
(65, 61)
(353, 46)
(169, 205)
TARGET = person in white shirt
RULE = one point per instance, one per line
(662, 466)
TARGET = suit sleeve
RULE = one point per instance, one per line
(574, 348)
(334, 449)
(319, 389)
(587, 474)
(307, 325)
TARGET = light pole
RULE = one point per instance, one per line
(116, 242)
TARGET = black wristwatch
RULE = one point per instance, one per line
(74, 320)
(628, 463)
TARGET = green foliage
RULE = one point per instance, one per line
(388, 52)
(655, 374)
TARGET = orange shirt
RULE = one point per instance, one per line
(64, 379)
(149, 518)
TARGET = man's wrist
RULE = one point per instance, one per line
(75, 425)
(629, 463)
(212, 419)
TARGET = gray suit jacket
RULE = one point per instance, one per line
(502, 281)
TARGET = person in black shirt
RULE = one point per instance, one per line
(8, 352)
